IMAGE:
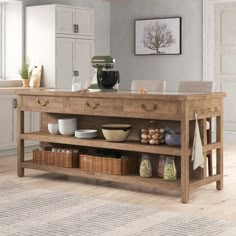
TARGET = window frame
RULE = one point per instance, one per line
(1, 40)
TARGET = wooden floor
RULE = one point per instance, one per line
(206, 201)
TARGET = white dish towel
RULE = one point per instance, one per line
(197, 153)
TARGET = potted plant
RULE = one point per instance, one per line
(24, 73)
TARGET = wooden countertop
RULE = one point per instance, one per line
(120, 94)
(15, 90)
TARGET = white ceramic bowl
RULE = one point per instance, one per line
(116, 132)
(67, 121)
(67, 126)
(67, 130)
(53, 129)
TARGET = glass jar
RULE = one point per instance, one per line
(161, 165)
(145, 169)
(170, 173)
(76, 82)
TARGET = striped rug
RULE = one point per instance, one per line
(26, 211)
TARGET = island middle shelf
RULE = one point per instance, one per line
(102, 143)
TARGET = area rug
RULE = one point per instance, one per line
(26, 211)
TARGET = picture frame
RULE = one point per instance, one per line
(158, 36)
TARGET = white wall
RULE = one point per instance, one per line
(13, 39)
(171, 68)
(102, 19)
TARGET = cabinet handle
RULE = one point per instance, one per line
(76, 73)
(92, 106)
(74, 27)
(154, 108)
(14, 103)
(77, 28)
(43, 104)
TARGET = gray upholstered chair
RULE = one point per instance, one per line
(150, 85)
(196, 86)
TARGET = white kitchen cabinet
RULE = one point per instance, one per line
(8, 119)
(75, 21)
(8, 122)
(73, 55)
(49, 42)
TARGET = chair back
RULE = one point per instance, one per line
(150, 85)
(196, 86)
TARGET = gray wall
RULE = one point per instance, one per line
(171, 68)
(102, 19)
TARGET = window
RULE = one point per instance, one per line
(11, 40)
(1, 40)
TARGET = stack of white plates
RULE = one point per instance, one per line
(86, 133)
(67, 126)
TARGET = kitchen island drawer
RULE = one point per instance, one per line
(96, 106)
(43, 103)
(150, 108)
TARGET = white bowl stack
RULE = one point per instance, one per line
(67, 126)
(86, 133)
(53, 129)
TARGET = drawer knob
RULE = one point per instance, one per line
(41, 103)
(144, 107)
(94, 106)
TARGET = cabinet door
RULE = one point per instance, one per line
(8, 116)
(85, 21)
(65, 18)
(83, 56)
(65, 59)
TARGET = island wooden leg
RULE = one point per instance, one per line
(20, 158)
(184, 158)
(20, 142)
(219, 152)
(184, 179)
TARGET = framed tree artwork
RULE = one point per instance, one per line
(159, 36)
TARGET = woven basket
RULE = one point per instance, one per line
(61, 159)
(106, 165)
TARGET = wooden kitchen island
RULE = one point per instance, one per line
(93, 108)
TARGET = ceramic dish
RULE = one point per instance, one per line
(116, 132)
(86, 133)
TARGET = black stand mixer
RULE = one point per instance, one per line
(104, 77)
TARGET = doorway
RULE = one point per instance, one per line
(219, 54)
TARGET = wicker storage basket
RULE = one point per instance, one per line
(61, 159)
(106, 165)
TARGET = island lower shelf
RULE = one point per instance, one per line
(127, 179)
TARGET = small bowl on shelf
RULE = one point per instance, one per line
(173, 140)
(116, 132)
(53, 129)
(67, 126)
